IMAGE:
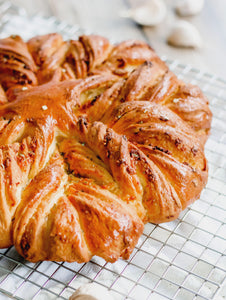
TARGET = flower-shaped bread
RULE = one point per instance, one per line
(95, 140)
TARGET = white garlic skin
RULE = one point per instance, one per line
(186, 8)
(151, 13)
(184, 34)
(91, 291)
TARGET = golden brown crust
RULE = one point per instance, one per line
(95, 140)
(16, 63)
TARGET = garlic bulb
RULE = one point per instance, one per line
(184, 34)
(91, 291)
(189, 7)
(149, 14)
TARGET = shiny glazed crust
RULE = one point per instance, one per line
(95, 140)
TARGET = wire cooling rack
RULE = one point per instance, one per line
(184, 259)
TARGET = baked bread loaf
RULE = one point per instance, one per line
(95, 141)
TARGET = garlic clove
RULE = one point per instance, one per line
(150, 14)
(187, 8)
(185, 34)
(91, 291)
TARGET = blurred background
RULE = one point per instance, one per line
(105, 18)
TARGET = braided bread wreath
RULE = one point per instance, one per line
(95, 141)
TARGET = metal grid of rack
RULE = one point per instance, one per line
(184, 259)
